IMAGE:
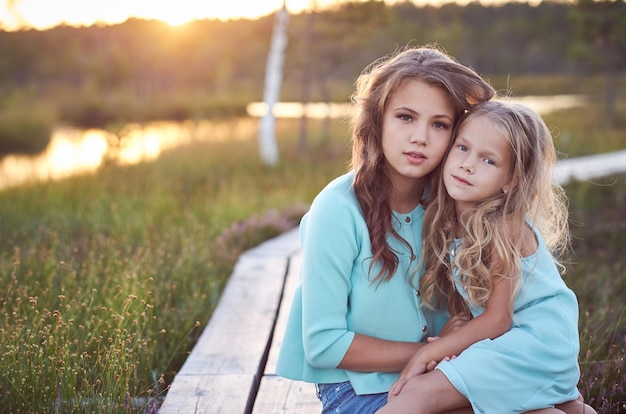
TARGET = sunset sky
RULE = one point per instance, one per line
(43, 14)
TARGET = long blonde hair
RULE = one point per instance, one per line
(491, 245)
(374, 89)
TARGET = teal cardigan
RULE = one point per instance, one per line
(335, 297)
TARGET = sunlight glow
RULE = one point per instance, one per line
(42, 14)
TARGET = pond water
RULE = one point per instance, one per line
(74, 151)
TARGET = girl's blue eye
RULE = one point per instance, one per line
(489, 161)
(462, 147)
(441, 125)
(404, 117)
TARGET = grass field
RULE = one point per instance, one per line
(108, 279)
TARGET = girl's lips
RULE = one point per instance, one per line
(415, 157)
(461, 180)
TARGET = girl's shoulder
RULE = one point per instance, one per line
(337, 200)
(335, 209)
(529, 240)
(341, 183)
(523, 237)
(337, 190)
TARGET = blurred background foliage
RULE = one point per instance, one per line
(144, 70)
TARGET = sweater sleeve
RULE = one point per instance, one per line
(330, 234)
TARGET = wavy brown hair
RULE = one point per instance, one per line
(492, 240)
(374, 88)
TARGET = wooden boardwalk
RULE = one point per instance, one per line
(231, 369)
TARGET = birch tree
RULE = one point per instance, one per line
(271, 95)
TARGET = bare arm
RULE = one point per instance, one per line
(493, 322)
(369, 354)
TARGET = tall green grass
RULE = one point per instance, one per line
(106, 280)
(596, 271)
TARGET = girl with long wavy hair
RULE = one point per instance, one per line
(355, 319)
(496, 227)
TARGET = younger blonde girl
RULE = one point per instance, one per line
(493, 231)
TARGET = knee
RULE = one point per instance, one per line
(576, 406)
(587, 409)
(420, 386)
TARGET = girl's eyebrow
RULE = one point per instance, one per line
(488, 153)
(484, 152)
(407, 109)
(448, 117)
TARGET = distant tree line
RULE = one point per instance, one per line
(144, 69)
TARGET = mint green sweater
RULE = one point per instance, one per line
(335, 297)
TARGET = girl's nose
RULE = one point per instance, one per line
(419, 136)
(417, 139)
(466, 166)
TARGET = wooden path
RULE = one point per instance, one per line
(231, 370)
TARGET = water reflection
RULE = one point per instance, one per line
(317, 110)
(547, 104)
(69, 152)
(73, 151)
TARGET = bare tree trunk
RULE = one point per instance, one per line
(271, 95)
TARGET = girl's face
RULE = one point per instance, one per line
(417, 128)
(479, 163)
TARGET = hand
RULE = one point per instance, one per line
(433, 364)
(455, 323)
(416, 366)
(413, 368)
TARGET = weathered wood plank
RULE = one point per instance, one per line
(225, 365)
(590, 166)
(276, 394)
(281, 396)
(217, 394)
(293, 276)
(237, 336)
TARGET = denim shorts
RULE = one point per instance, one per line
(340, 398)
